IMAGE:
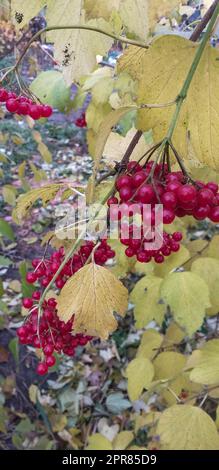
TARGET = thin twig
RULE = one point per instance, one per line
(203, 23)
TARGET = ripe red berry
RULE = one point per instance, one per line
(3, 95)
(48, 349)
(214, 214)
(27, 302)
(123, 180)
(42, 368)
(12, 105)
(177, 236)
(169, 200)
(31, 278)
(50, 361)
(46, 111)
(212, 186)
(35, 111)
(205, 196)
(112, 200)
(168, 216)
(129, 252)
(186, 193)
(145, 194)
(125, 193)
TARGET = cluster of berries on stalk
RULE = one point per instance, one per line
(154, 183)
(24, 106)
(81, 121)
(47, 332)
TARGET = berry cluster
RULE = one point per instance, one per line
(81, 121)
(24, 106)
(139, 248)
(48, 332)
(155, 184)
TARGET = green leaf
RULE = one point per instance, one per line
(51, 88)
(5, 261)
(27, 289)
(14, 348)
(116, 403)
(188, 298)
(6, 230)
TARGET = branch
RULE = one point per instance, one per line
(203, 23)
(79, 27)
(132, 145)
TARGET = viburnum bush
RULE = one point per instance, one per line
(151, 126)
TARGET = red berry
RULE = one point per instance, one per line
(125, 193)
(48, 349)
(168, 216)
(3, 95)
(145, 194)
(23, 108)
(42, 368)
(139, 178)
(12, 105)
(129, 252)
(169, 200)
(186, 193)
(27, 302)
(159, 259)
(123, 180)
(112, 200)
(133, 167)
(205, 196)
(36, 295)
(177, 236)
(46, 111)
(200, 213)
(50, 361)
(212, 186)
(214, 214)
(35, 111)
(31, 278)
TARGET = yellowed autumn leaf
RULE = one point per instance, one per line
(146, 420)
(186, 427)
(150, 343)
(93, 294)
(187, 295)
(213, 249)
(58, 422)
(139, 373)
(32, 392)
(217, 417)
(75, 49)
(26, 201)
(145, 297)
(123, 265)
(208, 269)
(9, 193)
(44, 152)
(169, 59)
(168, 365)
(98, 442)
(174, 335)
(116, 146)
(122, 440)
(23, 12)
(205, 364)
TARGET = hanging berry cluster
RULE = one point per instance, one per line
(154, 183)
(81, 121)
(48, 332)
(23, 105)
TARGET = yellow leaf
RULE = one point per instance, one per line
(168, 59)
(146, 419)
(95, 115)
(33, 391)
(135, 16)
(123, 264)
(188, 297)
(208, 269)
(23, 12)
(26, 201)
(92, 295)
(122, 440)
(145, 296)
(116, 146)
(76, 50)
(206, 364)
(21, 170)
(151, 340)
(44, 152)
(58, 422)
(168, 365)
(213, 249)
(186, 427)
(174, 261)
(104, 131)
(174, 335)
(17, 139)
(9, 194)
(139, 373)
(98, 442)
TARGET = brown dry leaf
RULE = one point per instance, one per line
(92, 295)
(3, 354)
